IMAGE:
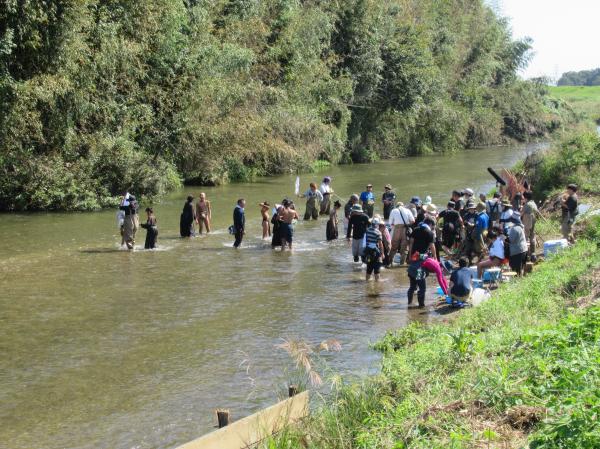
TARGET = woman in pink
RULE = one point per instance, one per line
(433, 266)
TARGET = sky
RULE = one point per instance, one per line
(565, 33)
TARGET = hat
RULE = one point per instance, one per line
(480, 207)
(469, 192)
(375, 221)
(354, 197)
(388, 187)
(451, 204)
(264, 204)
(427, 200)
(505, 202)
(431, 208)
(357, 208)
(416, 200)
(470, 205)
(369, 185)
(516, 218)
(399, 204)
(327, 179)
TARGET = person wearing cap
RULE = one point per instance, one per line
(313, 198)
(203, 213)
(468, 194)
(348, 209)
(518, 244)
(418, 270)
(416, 207)
(388, 199)
(506, 215)
(266, 225)
(368, 200)
(326, 191)
(569, 206)
(529, 214)
(373, 249)
(187, 218)
(357, 228)
(331, 231)
(451, 223)
(401, 221)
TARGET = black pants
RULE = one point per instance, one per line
(387, 209)
(239, 235)
(517, 262)
(422, 285)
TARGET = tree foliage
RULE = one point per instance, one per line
(582, 78)
(106, 95)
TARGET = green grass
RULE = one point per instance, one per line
(523, 368)
(585, 100)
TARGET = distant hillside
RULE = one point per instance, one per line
(583, 78)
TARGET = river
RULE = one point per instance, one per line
(103, 348)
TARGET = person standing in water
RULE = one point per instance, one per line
(348, 209)
(287, 215)
(331, 232)
(203, 213)
(373, 250)
(368, 200)
(357, 227)
(388, 199)
(187, 218)
(239, 222)
(131, 222)
(326, 191)
(151, 229)
(276, 235)
(266, 225)
(313, 199)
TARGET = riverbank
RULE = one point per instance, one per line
(520, 368)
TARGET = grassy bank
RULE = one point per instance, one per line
(521, 369)
(585, 100)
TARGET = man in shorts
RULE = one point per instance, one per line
(286, 217)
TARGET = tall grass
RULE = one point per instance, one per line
(521, 367)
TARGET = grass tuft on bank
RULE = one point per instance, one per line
(521, 369)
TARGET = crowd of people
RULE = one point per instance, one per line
(469, 231)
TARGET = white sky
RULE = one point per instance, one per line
(565, 33)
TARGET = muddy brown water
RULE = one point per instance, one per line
(103, 348)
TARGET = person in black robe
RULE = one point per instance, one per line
(151, 229)
(188, 216)
(275, 232)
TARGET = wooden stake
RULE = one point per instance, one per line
(292, 390)
(223, 418)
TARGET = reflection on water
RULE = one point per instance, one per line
(106, 348)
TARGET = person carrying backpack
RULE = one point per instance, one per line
(374, 249)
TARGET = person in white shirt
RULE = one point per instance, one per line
(496, 255)
(401, 220)
(326, 191)
(506, 216)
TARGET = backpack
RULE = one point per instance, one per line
(416, 271)
(372, 253)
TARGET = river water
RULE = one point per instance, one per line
(103, 348)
